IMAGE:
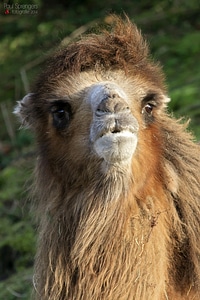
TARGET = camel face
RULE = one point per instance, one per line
(113, 131)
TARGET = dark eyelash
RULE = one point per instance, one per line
(60, 104)
(150, 98)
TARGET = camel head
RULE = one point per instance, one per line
(96, 105)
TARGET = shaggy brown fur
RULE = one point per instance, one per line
(116, 232)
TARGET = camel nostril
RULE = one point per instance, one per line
(116, 130)
(118, 127)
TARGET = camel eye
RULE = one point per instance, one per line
(148, 104)
(61, 115)
(148, 108)
(60, 118)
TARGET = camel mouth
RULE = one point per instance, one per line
(116, 146)
(118, 131)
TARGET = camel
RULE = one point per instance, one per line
(117, 181)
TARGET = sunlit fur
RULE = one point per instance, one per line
(113, 232)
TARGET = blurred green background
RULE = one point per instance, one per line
(29, 31)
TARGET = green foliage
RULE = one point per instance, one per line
(17, 287)
(17, 237)
(172, 27)
(23, 138)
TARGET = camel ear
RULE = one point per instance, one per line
(163, 102)
(23, 110)
(166, 99)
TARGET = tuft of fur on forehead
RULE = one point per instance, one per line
(121, 47)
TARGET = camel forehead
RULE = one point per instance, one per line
(99, 91)
(88, 80)
(92, 87)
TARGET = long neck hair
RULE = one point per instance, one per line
(102, 237)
